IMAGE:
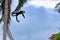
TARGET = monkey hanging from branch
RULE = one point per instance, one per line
(18, 13)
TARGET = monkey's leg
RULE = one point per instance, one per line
(23, 15)
(17, 19)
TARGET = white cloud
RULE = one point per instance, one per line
(38, 3)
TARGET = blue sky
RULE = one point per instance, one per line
(40, 23)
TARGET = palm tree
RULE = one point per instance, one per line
(6, 6)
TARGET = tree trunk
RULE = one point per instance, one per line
(6, 20)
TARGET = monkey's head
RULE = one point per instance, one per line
(23, 12)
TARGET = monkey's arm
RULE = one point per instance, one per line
(13, 14)
(17, 19)
(23, 15)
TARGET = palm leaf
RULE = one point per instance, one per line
(20, 4)
(2, 6)
(57, 6)
(57, 35)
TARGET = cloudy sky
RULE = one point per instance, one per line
(40, 23)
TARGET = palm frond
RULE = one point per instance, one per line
(20, 4)
(2, 7)
(57, 7)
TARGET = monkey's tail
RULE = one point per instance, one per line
(17, 19)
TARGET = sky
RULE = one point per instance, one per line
(40, 23)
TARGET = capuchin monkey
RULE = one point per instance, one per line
(18, 13)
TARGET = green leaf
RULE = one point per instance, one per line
(2, 6)
(57, 35)
(20, 4)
